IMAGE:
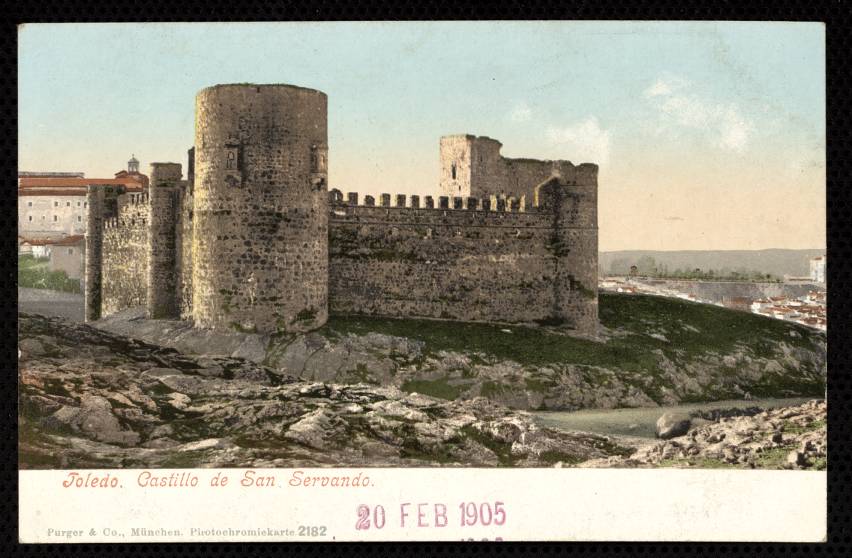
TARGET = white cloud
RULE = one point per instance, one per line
(584, 141)
(725, 125)
(665, 86)
(521, 113)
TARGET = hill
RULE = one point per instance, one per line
(91, 399)
(654, 351)
(776, 262)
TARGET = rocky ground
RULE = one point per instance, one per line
(783, 438)
(652, 352)
(89, 398)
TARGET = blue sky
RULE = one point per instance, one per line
(692, 124)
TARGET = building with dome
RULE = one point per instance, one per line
(52, 205)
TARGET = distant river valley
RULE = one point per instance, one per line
(639, 422)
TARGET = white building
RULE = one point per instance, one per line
(818, 269)
(53, 205)
(52, 213)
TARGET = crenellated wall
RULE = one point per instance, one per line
(253, 240)
(125, 255)
(496, 260)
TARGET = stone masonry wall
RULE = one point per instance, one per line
(481, 171)
(184, 251)
(125, 255)
(163, 228)
(461, 261)
(260, 208)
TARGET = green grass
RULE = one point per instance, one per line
(502, 450)
(773, 458)
(719, 330)
(694, 331)
(434, 388)
(33, 273)
(791, 427)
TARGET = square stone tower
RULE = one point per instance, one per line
(469, 164)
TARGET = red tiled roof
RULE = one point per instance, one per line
(71, 182)
(36, 241)
(62, 241)
(52, 192)
(69, 240)
(30, 186)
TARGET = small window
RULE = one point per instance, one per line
(79, 218)
(31, 218)
(70, 251)
(78, 204)
(56, 204)
(453, 171)
(67, 204)
(29, 204)
(55, 218)
(229, 164)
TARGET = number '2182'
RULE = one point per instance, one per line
(311, 531)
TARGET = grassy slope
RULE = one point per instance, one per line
(34, 273)
(691, 331)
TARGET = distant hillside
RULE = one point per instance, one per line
(777, 262)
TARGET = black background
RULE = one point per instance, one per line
(836, 16)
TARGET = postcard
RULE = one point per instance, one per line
(478, 281)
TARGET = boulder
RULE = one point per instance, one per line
(672, 425)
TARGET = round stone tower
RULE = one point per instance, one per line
(260, 208)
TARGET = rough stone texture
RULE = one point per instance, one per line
(538, 265)
(260, 211)
(782, 438)
(94, 253)
(765, 365)
(184, 241)
(162, 242)
(125, 254)
(481, 171)
(672, 425)
(93, 399)
(249, 243)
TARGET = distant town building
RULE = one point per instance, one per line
(737, 303)
(67, 254)
(35, 247)
(27, 174)
(818, 269)
(53, 204)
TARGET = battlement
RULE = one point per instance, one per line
(138, 198)
(494, 203)
(501, 204)
(254, 240)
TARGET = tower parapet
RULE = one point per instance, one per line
(260, 208)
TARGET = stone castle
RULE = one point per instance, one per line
(253, 239)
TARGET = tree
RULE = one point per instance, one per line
(619, 266)
(646, 265)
